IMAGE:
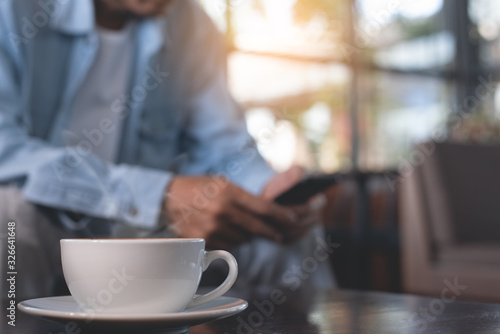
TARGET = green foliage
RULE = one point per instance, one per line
(417, 28)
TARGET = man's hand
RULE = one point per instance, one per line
(308, 213)
(224, 214)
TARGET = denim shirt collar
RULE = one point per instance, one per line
(74, 17)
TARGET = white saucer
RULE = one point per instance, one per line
(64, 309)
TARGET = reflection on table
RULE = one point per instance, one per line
(273, 310)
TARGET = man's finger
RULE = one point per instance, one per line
(233, 233)
(253, 224)
(283, 217)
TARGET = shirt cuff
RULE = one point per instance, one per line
(132, 195)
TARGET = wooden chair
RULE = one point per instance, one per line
(450, 222)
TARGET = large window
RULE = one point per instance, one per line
(340, 84)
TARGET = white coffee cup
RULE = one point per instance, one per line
(131, 276)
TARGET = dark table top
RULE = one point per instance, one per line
(333, 311)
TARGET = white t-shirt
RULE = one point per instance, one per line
(93, 124)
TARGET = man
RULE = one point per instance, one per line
(115, 117)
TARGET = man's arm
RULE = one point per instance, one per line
(58, 177)
(218, 139)
(225, 211)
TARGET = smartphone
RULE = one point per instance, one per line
(307, 188)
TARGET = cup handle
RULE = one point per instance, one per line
(228, 282)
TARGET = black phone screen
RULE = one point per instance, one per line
(305, 189)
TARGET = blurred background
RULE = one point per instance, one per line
(356, 85)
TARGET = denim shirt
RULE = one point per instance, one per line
(178, 117)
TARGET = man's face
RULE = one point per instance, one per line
(137, 7)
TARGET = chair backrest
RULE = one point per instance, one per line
(462, 189)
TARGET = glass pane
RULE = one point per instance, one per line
(397, 111)
(260, 80)
(485, 30)
(307, 28)
(483, 125)
(316, 136)
(281, 72)
(296, 110)
(406, 35)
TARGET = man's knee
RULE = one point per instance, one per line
(36, 239)
(27, 216)
(13, 203)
